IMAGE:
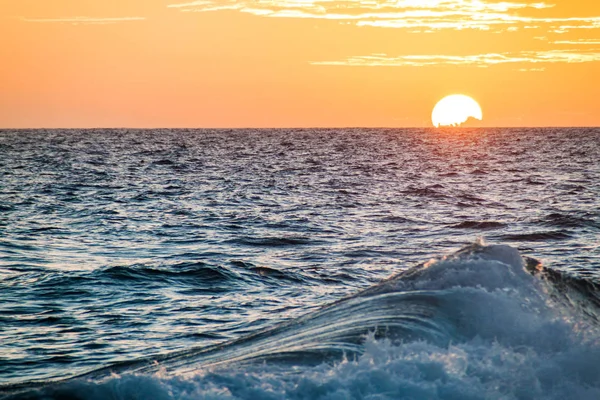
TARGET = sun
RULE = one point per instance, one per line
(455, 110)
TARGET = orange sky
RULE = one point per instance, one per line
(296, 63)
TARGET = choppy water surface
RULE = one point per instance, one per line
(123, 245)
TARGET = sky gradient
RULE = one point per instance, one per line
(296, 63)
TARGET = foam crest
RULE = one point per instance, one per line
(418, 370)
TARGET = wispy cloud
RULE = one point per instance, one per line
(482, 21)
(594, 42)
(477, 60)
(427, 15)
(353, 7)
(83, 20)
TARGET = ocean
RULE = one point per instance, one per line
(300, 264)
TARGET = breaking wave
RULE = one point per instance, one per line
(481, 323)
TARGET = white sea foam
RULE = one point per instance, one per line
(478, 369)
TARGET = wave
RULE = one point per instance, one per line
(484, 322)
(573, 220)
(536, 236)
(196, 270)
(429, 191)
(573, 292)
(483, 225)
(273, 241)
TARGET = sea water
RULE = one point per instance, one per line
(246, 264)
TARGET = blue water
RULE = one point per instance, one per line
(234, 263)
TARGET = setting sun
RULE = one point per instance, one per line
(455, 110)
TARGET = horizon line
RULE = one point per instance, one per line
(307, 127)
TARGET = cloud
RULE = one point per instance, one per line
(483, 21)
(595, 42)
(83, 20)
(428, 15)
(531, 69)
(344, 8)
(477, 60)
